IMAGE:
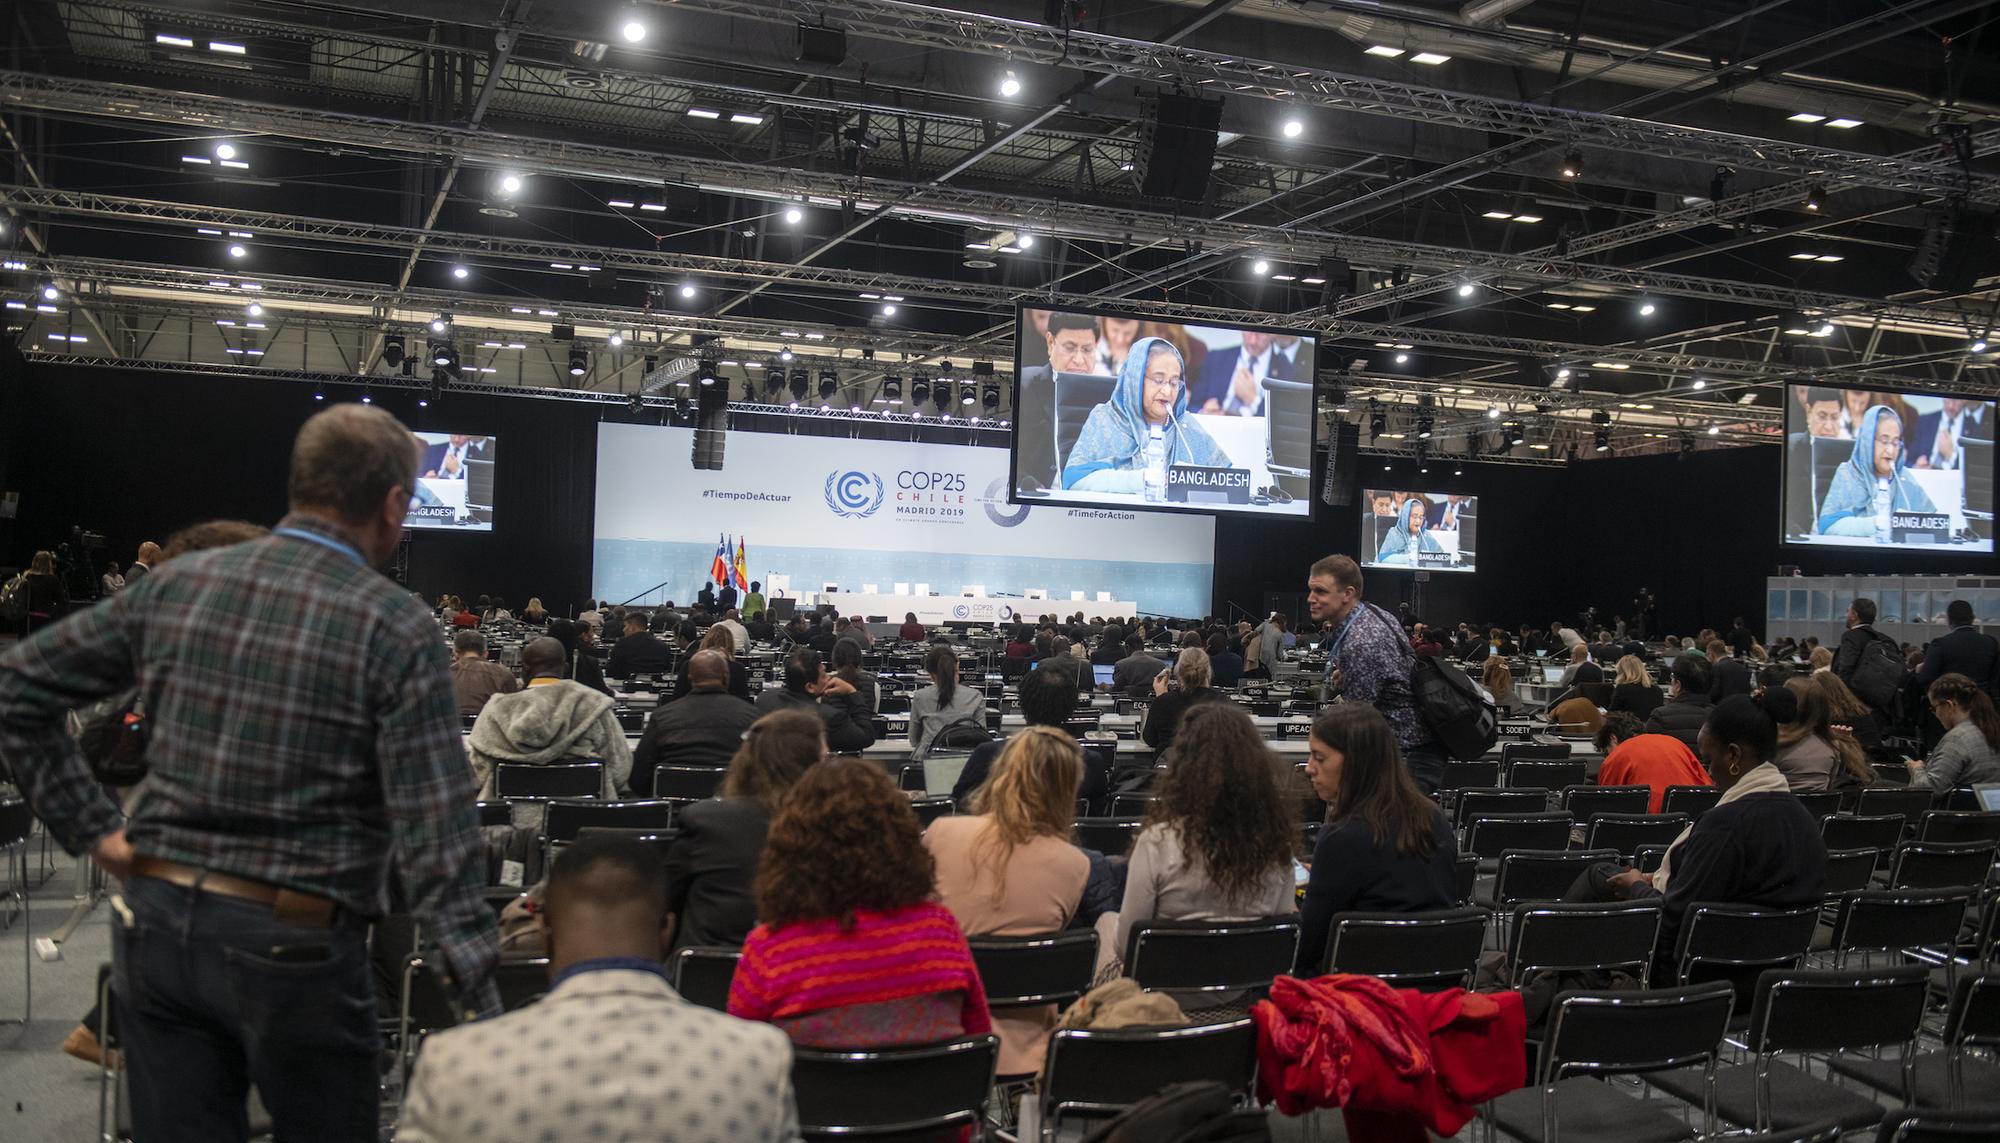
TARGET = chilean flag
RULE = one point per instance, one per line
(719, 570)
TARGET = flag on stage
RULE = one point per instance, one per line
(719, 569)
(742, 566)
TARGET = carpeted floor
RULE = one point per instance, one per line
(45, 1095)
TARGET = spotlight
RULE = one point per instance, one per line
(829, 383)
(798, 385)
(1340, 398)
(707, 374)
(794, 215)
(49, 291)
(254, 310)
(966, 394)
(1378, 423)
(1513, 432)
(1815, 195)
(1572, 167)
(1294, 127)
(225, 150)
(1715, 430)
(1010, 85)
(319, 394)
(1647, 309)
(687, 290)
(510, 183)
(237, 251)
(785, 354)
(1563, 373)
(1024, 240)
(1492, 412)
(989, 398)
(889, 309)
(441, 324)
(1698, 383)
(367, 398)
(941, 393)
(1720, 183)
(1260, 266)
(392, 350)
(460, 272)
(1466, 290)
(443, 355)
(892, 390)
(633, 30)
(920, 389)
(1600, 441)
(616, 340)
(1402, 359)
(1424, 427)
(579, 362)
(774, 378)
(1978, 344)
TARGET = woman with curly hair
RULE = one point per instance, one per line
(717, 639)
(852, 952)
(1386, 847)
(1008, 868)
(1217, 844)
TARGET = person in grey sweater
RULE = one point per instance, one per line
(553, 720)
(1969, 752)
(943, 702)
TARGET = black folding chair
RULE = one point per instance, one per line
(566, 819)
(1818, 1011)
(494, 814)
(1910, 803)
(1693, 801)
(1627, 832)
(1852, 831)
(1593, 1034)
(1109, 836)
(1952, 1077)
(1431, 950)
(1561, 936)
(702, 975)
(1490, 835)
(1959, 825)
(1480, 803)
(1091, 1073)
(896, 1092)
(1848, 870)
(1132, 805)
(1043, 968)
(1540, 874)
(1735, 942)
(1820, 803)
(1908, 1126)
(1547, 773)
(685, 785)
(1211, 956)
(1585, 803)
(513, 780)
(1936, 864)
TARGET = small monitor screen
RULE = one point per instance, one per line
(454, 482)
(1874, 469)
(1989, 796)
(1102, 674)
(1427, 530)
(1115, 410)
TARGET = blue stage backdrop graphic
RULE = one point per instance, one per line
(825, 510)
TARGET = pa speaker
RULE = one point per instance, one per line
(711, 427)
(1339, 275)
(1956, 247)
(820, 44)
(1177, 146)
(1343, 454)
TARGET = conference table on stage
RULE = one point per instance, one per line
(934, 610)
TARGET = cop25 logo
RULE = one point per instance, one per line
(853, 494)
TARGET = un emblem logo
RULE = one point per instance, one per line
(853, 494)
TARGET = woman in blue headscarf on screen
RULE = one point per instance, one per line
(1872, 482)
(1110, 452)
(1408, 536)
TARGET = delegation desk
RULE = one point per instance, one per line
(940, 610)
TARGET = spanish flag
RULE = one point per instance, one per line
(742, 566)
(719, 569)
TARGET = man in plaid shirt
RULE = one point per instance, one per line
(303, 741)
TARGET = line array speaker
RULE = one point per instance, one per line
(1956, 247)
(1343, 452)
(1177, 146)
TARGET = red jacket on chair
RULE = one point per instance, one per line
(1354, 1042)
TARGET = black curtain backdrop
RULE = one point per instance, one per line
(135, 455)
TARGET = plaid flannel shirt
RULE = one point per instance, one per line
(303, 733)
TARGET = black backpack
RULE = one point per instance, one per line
(1879, 672)
(1202, 1111)
(967, 733)
(1457, 710)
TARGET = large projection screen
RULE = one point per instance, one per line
(1211, 418)
(1890, 471)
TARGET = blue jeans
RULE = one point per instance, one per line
(204, 1011)
(1426, 765)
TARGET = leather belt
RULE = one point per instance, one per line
(288, 906)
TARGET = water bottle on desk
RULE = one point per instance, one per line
(1156, 464)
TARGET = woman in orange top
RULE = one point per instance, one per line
(1656, 760)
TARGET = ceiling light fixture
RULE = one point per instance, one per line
(1430, 59)
(1572, 165)
(1384, 51)
(1843, 124)
(794, 215)
(460, 272)
(579, 363)
(1647, 309)
(633, 30)
(238, 251)
(1010, 85)
(1294, 127)
(1806, 117)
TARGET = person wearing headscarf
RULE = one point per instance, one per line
(1872, 483)
(1408, 536)
(1110, 452)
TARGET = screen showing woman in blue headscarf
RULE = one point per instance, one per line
(1408, 537)
(1873, 483)
(1151, 395)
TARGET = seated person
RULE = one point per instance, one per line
(702, 728)
(850, 727)
(1047, 699)
(605, 916)
(943, 702)
(911, 631)
(1218, 841)
(1133, 674)
(1687, 704)
(721, 641)
(1726, 676)
(1580, 672)
(1408, 538)
(1499, 682)
(1634, 758)
(846, 664)
(1632, 689)
(1386, 848)
(1150, 398)
(1759, 846)
(1969, 751)
(1811, 755)
(1009, 869)
(714, 858)
(1171, 700)
(1872, 482)
(640, 652)
(552, 720)
(853, 950)
(1576, 717)
(1051, 650)
(474, 677)
(1225, 665)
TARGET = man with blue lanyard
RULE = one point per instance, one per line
(612, 1051)
(302, 730)
(1369, 660)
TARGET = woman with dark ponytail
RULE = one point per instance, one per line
(1969, 752)
(1758, 846)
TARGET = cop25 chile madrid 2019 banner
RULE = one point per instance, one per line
(833, 510)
